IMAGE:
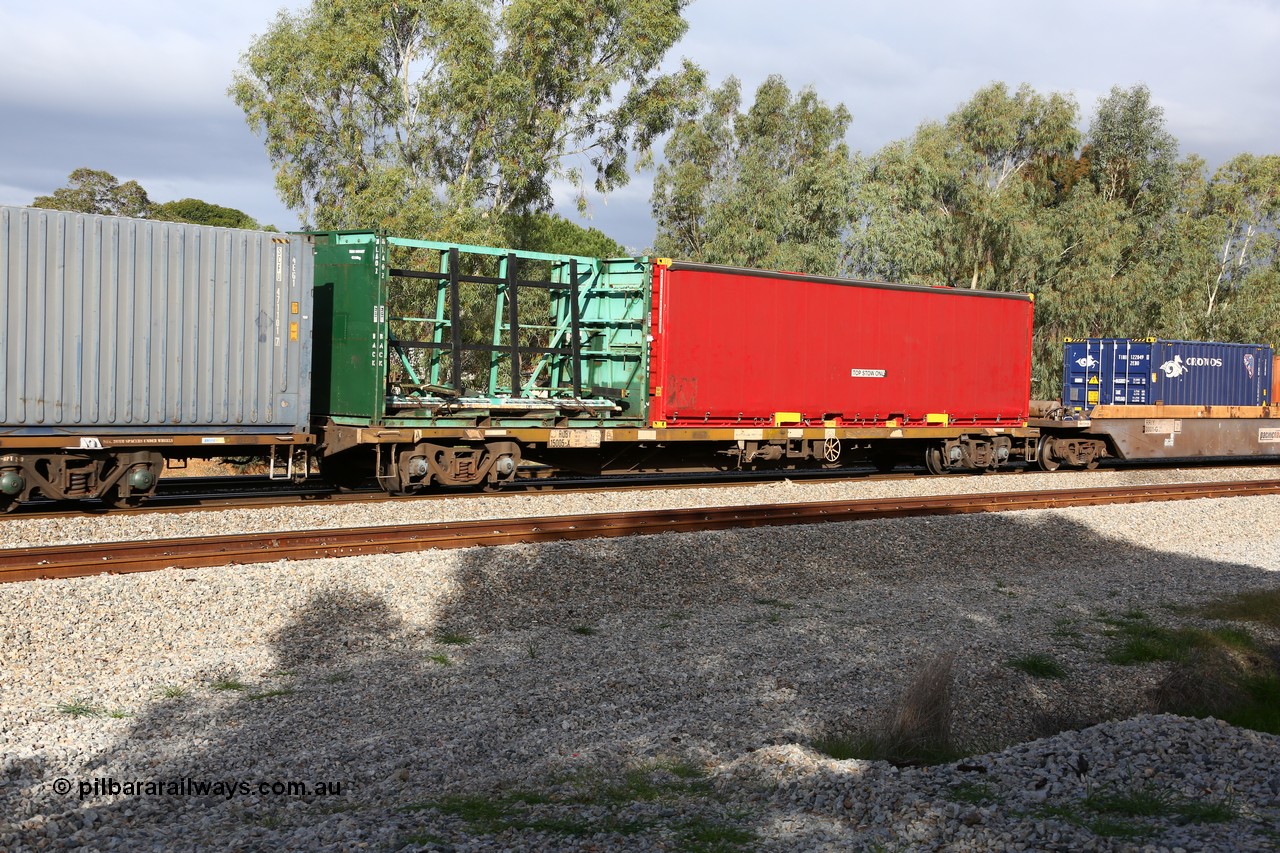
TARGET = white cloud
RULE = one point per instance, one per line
(896, 64)
(98, 58)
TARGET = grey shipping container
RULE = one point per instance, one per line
(1123, 372)
(113, 326)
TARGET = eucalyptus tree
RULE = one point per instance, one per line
(959, 201)
(552, 233)
(1113, 232)
(770, 187)
(445, 115)
(698, 161)
(1219, 253)
(1132, 155)
(1242, 204)
(1002, 141)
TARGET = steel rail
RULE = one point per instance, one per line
(118, 557)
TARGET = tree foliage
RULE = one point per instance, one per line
(1241, 207)
(955, 203)
(771, 187)
(1110, 230)
(93, 191)
(1132, 156)
(553, 234)
(199, 212)
(441, 116)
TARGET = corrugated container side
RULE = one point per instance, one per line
(744, 347)
(1118, 371)
(1199, 373)
(130, 325)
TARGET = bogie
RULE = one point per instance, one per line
(970, 453)
(118, 479)
(1072, 451)
(413, 468)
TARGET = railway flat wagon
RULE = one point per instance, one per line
(1154, 399)
(126, 342)
(456, 364)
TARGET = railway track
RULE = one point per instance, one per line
(78, 560)
(182, 494)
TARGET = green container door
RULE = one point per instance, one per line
(349, 373)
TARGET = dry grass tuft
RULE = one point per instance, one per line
(915, 731)
(920, 726)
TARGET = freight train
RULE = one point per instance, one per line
(129, 345)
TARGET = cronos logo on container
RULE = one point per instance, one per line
(1177, 366)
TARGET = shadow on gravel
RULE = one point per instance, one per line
(562, 668)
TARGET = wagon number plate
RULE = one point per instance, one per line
(1162, 426)
(574, 438)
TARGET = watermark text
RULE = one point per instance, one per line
(187, 786)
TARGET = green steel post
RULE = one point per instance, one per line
(455, 311)
(437, 330)
(497, 328)
(513, 324)
(575, 345)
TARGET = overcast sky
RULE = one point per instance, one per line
(138, 88)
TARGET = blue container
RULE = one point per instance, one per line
(1123, 372)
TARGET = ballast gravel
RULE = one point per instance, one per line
(651, 693)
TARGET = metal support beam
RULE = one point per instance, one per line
(513, 322)
(455, 311)
(575, 340)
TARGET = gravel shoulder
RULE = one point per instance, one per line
(661, 692)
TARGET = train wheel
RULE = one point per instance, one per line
(831, 451)
(12, 486)
(1045, 459)
(137, 483)
(505, 467)
(933, 460)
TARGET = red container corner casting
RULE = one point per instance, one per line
(738, 347)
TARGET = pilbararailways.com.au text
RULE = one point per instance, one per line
(109, 786)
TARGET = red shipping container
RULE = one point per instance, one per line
(734, 347)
